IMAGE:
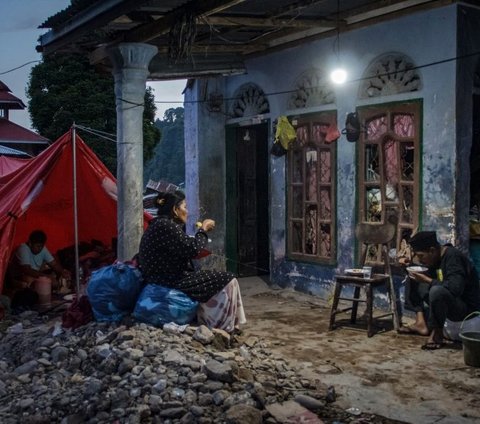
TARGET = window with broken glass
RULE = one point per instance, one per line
(311, 190)
(389, 171)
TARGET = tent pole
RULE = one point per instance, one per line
(75, 207)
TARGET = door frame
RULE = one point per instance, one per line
(231, 193)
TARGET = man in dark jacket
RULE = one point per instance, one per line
(453, 293)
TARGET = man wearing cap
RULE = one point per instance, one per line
(452, 290)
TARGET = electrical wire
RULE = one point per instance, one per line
(439, 62)
(426, 65)
(98, 133)
(18, 67)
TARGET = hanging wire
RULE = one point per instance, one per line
(426, 65)
(98, 133)
(274, 93)
(18, 67)
(336, 44)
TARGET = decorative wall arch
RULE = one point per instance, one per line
(392, 73)
(312, 88)
(250, 100)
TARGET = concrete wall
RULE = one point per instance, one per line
(424, 37)
(205, 165)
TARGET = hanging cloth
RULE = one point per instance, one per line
(285, 133)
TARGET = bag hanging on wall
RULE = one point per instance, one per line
(284, 135)
(352, 127)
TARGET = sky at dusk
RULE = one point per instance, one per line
(19, 33)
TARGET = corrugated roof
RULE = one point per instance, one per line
(8, 151)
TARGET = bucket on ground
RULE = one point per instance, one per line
(471, 348)
(43, 287)
(471, 343)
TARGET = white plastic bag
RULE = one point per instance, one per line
(452, 329)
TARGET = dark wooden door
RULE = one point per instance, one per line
(252, 200)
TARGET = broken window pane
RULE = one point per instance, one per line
(407, 156)
(311, 174)
(372, 163)
(373, 204)
(311, 190)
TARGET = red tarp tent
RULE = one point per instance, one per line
(9, 164)
(39, 195)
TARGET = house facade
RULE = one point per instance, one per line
(413, 82)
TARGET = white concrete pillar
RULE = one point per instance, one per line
(130, 70)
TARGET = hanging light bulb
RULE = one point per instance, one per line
(338, 75)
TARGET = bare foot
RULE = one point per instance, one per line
(436, 336)
(414, 329)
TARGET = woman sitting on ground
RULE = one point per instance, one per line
(165, 256)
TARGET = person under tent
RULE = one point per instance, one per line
(31, 262)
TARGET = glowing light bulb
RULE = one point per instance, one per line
(338, 76)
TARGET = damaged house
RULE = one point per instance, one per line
(412, 93)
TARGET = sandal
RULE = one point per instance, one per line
(433, 345)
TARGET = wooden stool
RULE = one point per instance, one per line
(368, 234)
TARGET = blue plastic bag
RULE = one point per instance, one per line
(113, 291)
(158, 305)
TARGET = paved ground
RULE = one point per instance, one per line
(387, 374)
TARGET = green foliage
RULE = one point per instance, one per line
(168, 162)
(64, 89)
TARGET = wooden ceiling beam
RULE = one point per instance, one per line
(266, 22)
(147, 32)
(295, 7)
(379, 8)
(212, 49)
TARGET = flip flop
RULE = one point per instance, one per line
(433, 345)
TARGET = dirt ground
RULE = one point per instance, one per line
(387, 374)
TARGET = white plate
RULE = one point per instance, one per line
(69, 297)
(417, 269)
(354, 271)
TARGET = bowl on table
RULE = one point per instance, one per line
(356, 272)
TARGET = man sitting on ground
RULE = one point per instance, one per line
(30, 261)
(453, 293)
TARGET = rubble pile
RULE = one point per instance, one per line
(135, 373)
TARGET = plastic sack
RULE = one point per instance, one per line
(158, 305)
(452, 329)
(113, 291)
(285, 132)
